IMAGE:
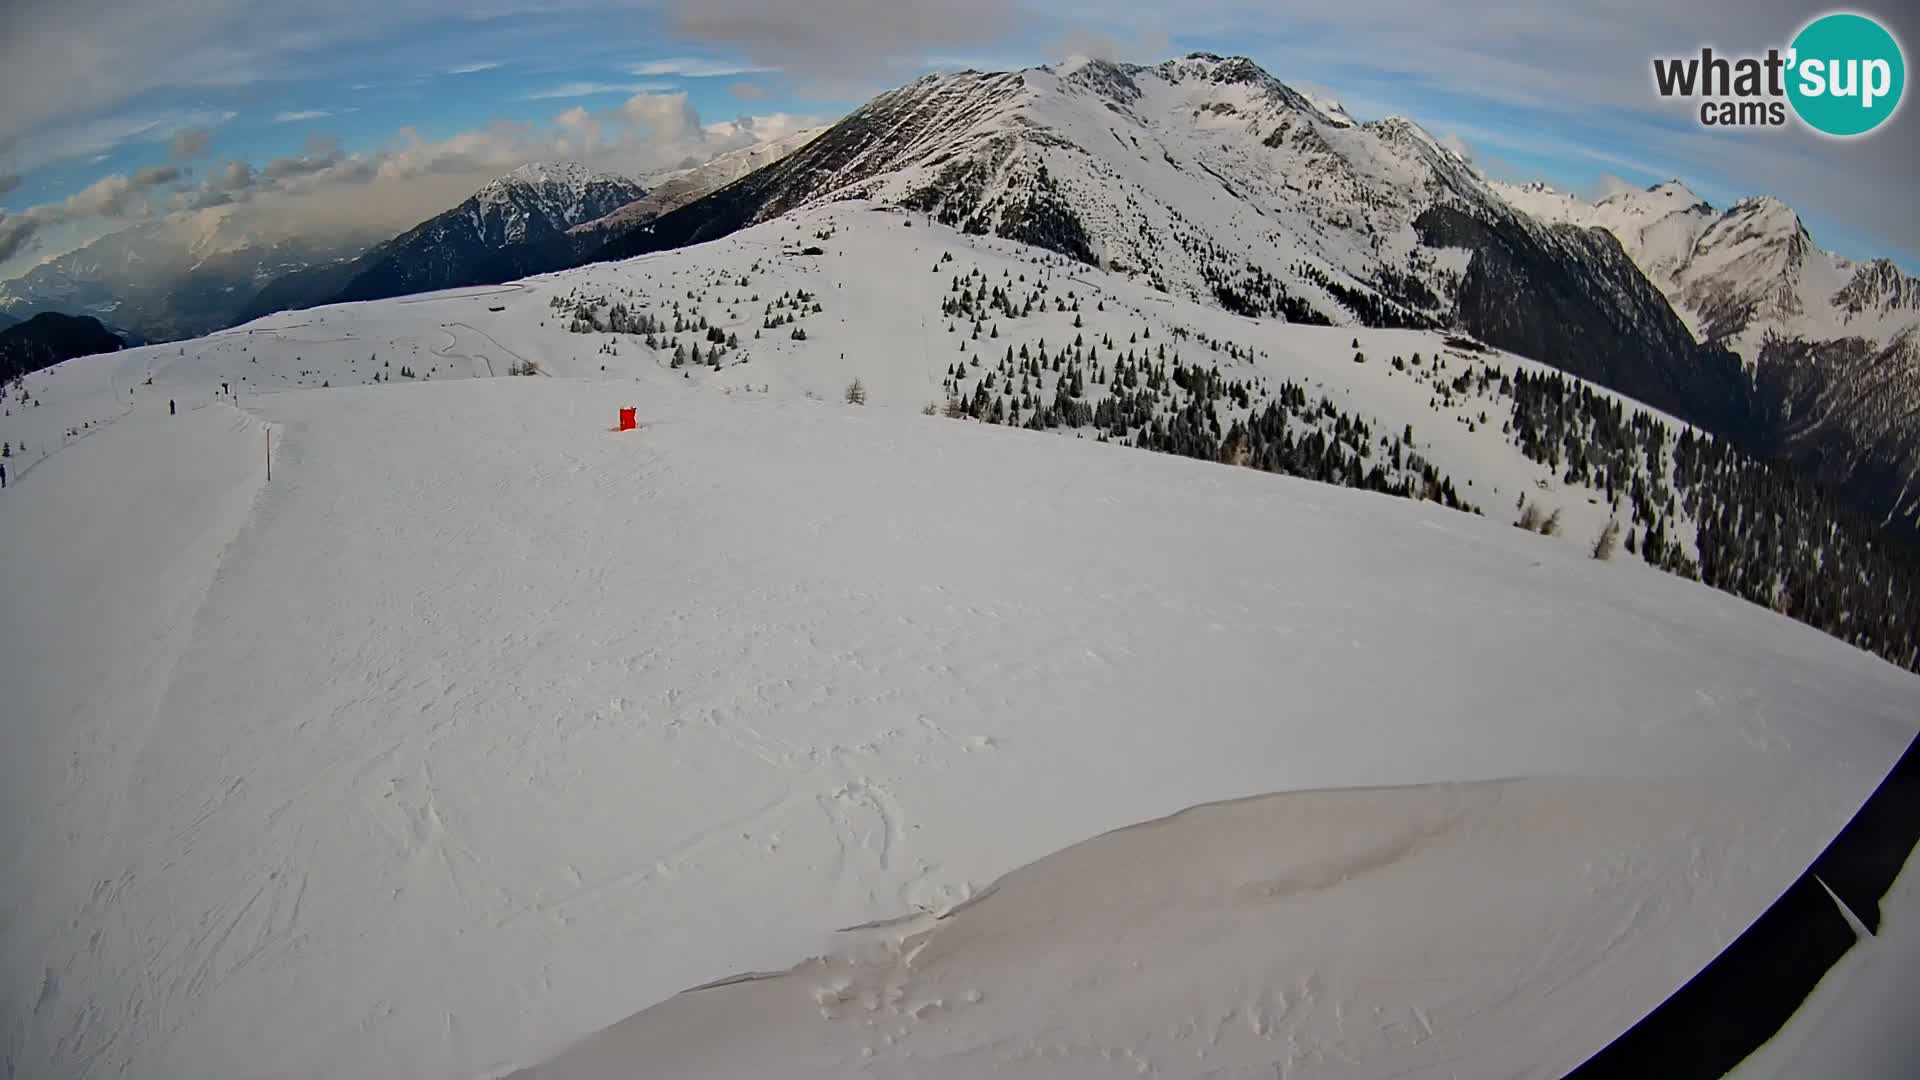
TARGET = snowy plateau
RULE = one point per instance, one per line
(789, 735)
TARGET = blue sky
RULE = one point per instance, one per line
(116, 111)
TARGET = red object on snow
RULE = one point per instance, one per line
(627, 422)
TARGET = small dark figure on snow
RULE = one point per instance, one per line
(170, 409)
(3, 478)
(224, 390)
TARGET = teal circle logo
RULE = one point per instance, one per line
(1846, 74)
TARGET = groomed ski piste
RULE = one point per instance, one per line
(481, 735)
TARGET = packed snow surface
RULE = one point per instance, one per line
(481, 728)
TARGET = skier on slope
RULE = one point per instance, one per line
(3, 478)
(170, 409)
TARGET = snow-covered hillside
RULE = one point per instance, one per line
(903, 335)
(481, 728)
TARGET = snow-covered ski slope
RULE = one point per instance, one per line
(881, 280)
(481, 728)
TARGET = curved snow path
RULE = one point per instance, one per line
(111, 553)
(1492, 929)
(495, 728)
(476, 356)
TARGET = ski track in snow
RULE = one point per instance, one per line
(481, 728)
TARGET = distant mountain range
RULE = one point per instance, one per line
(539, 218)
(1832, 345)
(511, 228)
(50, 338)
(175, 277)
(190, 274)
(515, 226)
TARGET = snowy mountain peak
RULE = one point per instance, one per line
(542, 172)
(1655, 201)
(514, 226)
(1204, 174)
(1102, 76)
(1767, 213)
(559, 179)
(1225, 70)
(1402, 127)
(1335, 112)
(1767, 230)
(1674, 190)
(1879, 288)
(1239, 71)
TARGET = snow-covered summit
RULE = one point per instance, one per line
(542, 172)
(565, 193)
(1738, 274)
(1203, 175)
(514, 225)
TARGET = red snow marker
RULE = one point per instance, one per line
(627, 422)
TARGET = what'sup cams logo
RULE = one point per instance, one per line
(1842, 75)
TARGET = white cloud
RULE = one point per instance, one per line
(119, 196)
(581, 133)
(473, 69)
(667, 118)
(1148, 45)
(692, 67)
(747, 130)
(1608, 184)
(236, 176)
(326, 192)
(17, 233)
(188, 143)
(589, 89)
(105, 134)
(301, 115)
